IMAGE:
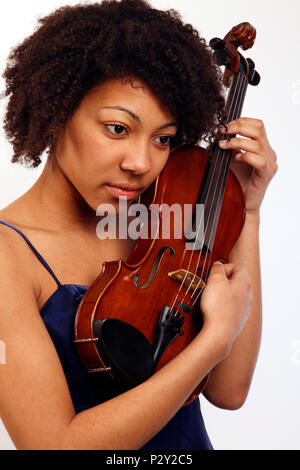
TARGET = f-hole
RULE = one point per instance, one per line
(154, 269)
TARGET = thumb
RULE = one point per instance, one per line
(227, 270)
(217, 268)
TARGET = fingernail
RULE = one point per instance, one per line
(223, 143)
(238, 156)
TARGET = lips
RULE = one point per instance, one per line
(128, 192)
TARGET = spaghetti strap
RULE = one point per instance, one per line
(34, 251)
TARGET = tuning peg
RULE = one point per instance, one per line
(251, 64)
(253, 78)
(217, 43)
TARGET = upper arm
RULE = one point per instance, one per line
(35, 403)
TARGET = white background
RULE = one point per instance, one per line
(270, 417)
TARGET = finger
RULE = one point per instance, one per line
(238, 143)
(221, 268)
(234, 271)
(248, 127)
(217, 268)
(228, 270)
(256, 161)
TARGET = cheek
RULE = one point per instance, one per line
(85, 147)
(83, 155)
(160, 163)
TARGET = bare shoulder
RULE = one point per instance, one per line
(17, 287)
(17, 264)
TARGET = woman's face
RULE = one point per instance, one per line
(118, 138)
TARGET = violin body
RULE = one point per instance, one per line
(115, 295)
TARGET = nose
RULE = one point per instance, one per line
(137, 159)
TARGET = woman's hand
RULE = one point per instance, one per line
(254, 161)
(226, 301)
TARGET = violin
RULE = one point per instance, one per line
(140, 313)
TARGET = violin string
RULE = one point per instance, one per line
(223, 172)
(202, 215)
(239, 109)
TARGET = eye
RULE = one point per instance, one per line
(116, 129)
(163, 140)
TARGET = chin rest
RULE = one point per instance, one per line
(125, 350)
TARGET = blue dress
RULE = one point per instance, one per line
(185, 431)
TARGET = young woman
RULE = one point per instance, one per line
(107, 89)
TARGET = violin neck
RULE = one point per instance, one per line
(236, 97)
(217, 174)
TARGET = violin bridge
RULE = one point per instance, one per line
(188, 279)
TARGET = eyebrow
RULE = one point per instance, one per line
(136, 118)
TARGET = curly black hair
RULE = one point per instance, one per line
(78, 47)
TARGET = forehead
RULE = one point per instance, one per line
(129, 93)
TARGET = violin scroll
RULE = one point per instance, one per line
(243, 35)
(226, 51)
